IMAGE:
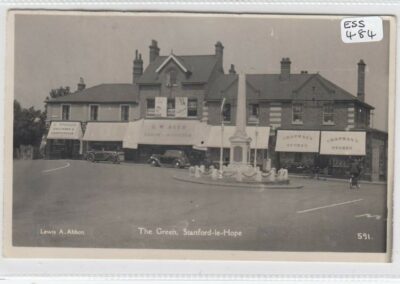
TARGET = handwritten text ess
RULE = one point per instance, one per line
(362, 29)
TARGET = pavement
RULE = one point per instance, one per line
(68, 203)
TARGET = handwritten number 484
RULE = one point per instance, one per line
(361, 34)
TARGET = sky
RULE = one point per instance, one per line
(56, 50)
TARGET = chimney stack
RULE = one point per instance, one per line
(137, 66)
(232, 69)
(154, 50)
(81, 84)
(361, 80)
(285, 68)
(219, 53)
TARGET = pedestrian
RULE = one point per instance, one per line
(355, 172)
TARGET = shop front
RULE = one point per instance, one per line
(154, 136)
(64, 140)
(297, 150)
(104, 136)
(340, 148)
(218, 136)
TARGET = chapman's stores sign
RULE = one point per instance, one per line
(297, 141)
(343, 143)
(322, 142)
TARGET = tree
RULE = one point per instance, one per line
(60, 92)
(29, 125)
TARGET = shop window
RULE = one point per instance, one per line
(327, 114)
(94, 112)
(226, 112)
(171, 107)
(150, 107)
(65, 112)
(192, 107)
(124, 112)
(298, 157)
(172, 77)
(362, 117)
(254, 112)
(297, 117)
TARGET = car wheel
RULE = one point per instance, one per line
(90, 157)
(153, 163)
(177, 164)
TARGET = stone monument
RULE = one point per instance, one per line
(240, 141)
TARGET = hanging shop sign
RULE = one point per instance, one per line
(351, 143)
(297, 141)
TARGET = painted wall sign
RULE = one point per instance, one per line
(343, 143)
(169, 132)
(160, 107)
(297, 141)
(181, 106)
(65, 130)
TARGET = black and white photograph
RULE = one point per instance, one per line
(212, 134)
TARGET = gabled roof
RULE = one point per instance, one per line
(104, 93)
(200, 68)
(271, 87)
(177, 62)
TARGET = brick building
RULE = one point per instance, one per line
(298, 121)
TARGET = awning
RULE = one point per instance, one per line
(347, 143)
(65, 130)
(132, 134)
(214, 136)
(105, 131)
(165, 132)
(297, 141)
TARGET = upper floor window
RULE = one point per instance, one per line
(124, 112)
(171, 107)
(297, 116)
(94, 112)
(65, 112)
(327, 114)
(362, 117)
(192, 107)
(226, 112)
(150, 107)
(172, 77)
(254, 112)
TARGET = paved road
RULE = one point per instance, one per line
(80, 204)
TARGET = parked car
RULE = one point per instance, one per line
(175, 158)
(109, 156)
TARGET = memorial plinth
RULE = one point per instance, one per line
(240, 141)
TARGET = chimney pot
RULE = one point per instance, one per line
(361, 80)
(219, 53)
(154, 50)
(285, 68)
(232, 69)
(81, 84)
(137, 66)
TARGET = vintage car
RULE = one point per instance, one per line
(108, 156)
(175, 158)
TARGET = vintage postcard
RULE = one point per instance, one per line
(199, 136)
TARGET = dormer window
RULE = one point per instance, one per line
(172, 77)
